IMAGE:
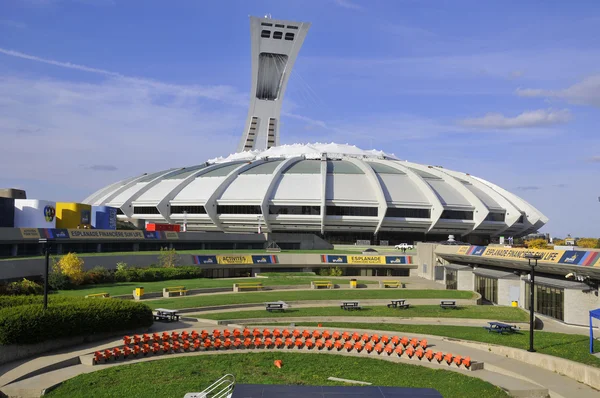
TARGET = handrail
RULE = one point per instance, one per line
(227, 383)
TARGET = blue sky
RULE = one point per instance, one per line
(93, 91)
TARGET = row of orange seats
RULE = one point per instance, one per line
(266, 333)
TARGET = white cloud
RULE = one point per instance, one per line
(348, 4)
(586, 92)
(537, 118)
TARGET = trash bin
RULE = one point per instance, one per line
(515, 304)
(139, 291)
(352, 283)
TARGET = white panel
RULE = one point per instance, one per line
(398, 188)
(247, 187)
(448, 195)
(350, 187)
(126, 194)
(199, 190)
(30, 213)
(158, 192)
(298, 188)
(484, 197)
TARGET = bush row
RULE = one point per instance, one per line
(15, 301)
(30, 323)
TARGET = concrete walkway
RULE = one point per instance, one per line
(30, 378)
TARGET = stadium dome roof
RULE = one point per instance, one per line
(322, 188)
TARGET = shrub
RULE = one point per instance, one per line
(15, 301)
(59, 281)
(24, 287)
(30, 323)
(98, 275)
(71, 266)
(168, 258)
(337, 271)
(122, 274)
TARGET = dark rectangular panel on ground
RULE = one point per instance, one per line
(276, 391)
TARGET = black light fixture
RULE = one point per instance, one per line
(46, 252)
(532, 266)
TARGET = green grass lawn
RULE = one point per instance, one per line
(175, 377)
(205, 300)
(569, 346)
(123, 288)
(507, 314)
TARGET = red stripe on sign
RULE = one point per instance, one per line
(274, 259)
(408, 259)
(591, 258)
(323, 258)
(195, 259)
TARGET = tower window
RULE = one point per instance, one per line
(289, 36)
(270, 74)
(292, 27)
(265, 33)
(266, 24)
(279, 25)
(277, 35)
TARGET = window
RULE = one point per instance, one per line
(457, 215)
(265, 33)
(451, 279)
(295, 210)
(266, 24)
(410, 213)
(277, 35)
(521, 219)
(289, 36)
(238, 209)
(145, 210)
(548, 300)
(270, 74)
(487, 287)
(495, 217)
(120, 212)
(351, 211)
(279, 25)
(292, 27)
(188, 209)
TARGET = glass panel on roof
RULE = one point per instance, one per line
(264, 168)
(152, 176)
(222, 171)
(425, 174)
(305, 167)
(384, 168)
(342, 167)
(184, 173)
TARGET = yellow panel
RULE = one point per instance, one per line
(547, 255)
(73, 215)
(234, 259)
(366, 259)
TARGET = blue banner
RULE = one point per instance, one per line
(398, 259)
(267, 259)
(335, 259)
(572, 257)
(209, 260)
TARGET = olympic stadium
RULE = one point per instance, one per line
(339, 191)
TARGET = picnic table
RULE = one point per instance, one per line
(448, 304)
(398, 303)
(350, 305)
(276, 306)
(499, 327)
(163, 314)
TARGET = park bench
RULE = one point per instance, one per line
(448, 304)
(249, 285)
(350, 305)
(276, 306)
(163, 314)
(385, 284)
(400, 303)
(180, 290)
(318, 284)
(103, 295)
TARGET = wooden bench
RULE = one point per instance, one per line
(384, 284)
(318, 284)
(448, 304)
(181, 290)
(350, 305)
(103, 295)
(249, 285)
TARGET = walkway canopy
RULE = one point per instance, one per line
(593, 314)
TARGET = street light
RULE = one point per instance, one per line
(46, 251)
(529, 257)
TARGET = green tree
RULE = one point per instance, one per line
(71, 266)
(168, 258)
(537, 244)
(587, 243)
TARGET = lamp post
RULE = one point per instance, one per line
(46, 251)
(532, 266)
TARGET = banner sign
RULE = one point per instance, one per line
(171, 235)
(105, 234)
(30, 233)
(366, 260)
(235, 259)
(571, 257)
(334, 259)
(55, 233)
(151, 235)
(267, 259)
(398, 259)
(199, 260)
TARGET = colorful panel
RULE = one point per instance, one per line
(476, 250)
(329, 258)
(268, 259)
(102, 234)
(235, 259)
(398, 259)
(205, 260)
(552, 256)
(366, 260)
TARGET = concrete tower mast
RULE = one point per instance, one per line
(275, 46)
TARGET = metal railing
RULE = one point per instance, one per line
(222, 388)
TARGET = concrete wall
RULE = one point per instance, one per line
(466, 280)
(578, 305)
(425, 260)
(505, 287)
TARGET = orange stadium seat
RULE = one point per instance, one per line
(419, 353)
(399, 350)
(439, 356)
(266, 333)
(226, 333)
(166, 347)
(448, 358)
(348, 346)
(176, 346)
(276, 333)
(126, 340)
(98, 356)
(375, 338)
(216, 333)
(319, 344)
(246, 332)
(385, 339)
(457, 360)
(345, 336)
(466, 362)
(404, 341)
(306, 334)
(117, 352)
(410, 351)
(429, 355)
(414, 342)
(175, 336)
(389, 349)
(217, 343)
(126, 351)
(236, 333)
(316, 334)
(197, 344)
(327, 335)
(286, 333)
(278, 342)
(423, 344)
(309, 343)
